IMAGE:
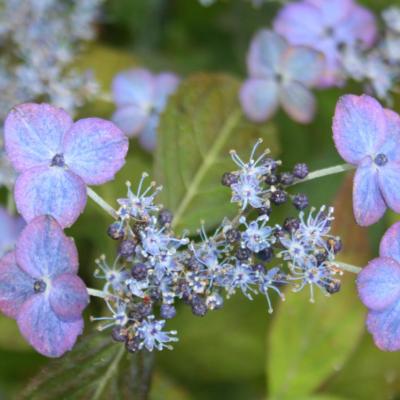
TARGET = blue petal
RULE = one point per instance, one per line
(15, 286)
(130, 119)
(259, 99)
(43, 250)
(266, 51)
(41, 327)
(359, 127)
(390, 243)
(95, 150)
(33, 134)
(10, 228)
(303, 64)
(385, 327)
(298, 102)
(378, 283)
(134, 87)
(68, 297)
(389, 183)
(50, 191)
(368, 203)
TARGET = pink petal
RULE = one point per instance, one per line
(50, 191)
(95, 150)
(368, 203)
(15, 286)
(378, 283)
(41, 327)
(359, 127)
(390, 243)
(43, 250)
(33, 134)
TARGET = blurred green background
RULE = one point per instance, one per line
(302, 351)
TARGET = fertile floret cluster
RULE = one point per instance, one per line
(155, 269)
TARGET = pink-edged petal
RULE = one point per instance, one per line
(378, 283)
(360, 25)
(385, 327)
(298, 102)
(41, 327)
(299, 23)
(332, 12)
(266, 50)
(68, 297)
(95, 150)
(130, 119)
(10, 228)
(303, 64)
(15, 286)
(368, 203)
(390, 243)
(166, 83)
(148, 136)
(259, 99)
(43, 250)
(134, 87)
(33, 134)
(50, 191)
(359, 127)
(389, 183)
(390, 147)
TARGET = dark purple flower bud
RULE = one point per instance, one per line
(139, 271)
(321, 257)
(243, 253)
(279, 197)
(332, 286)
(258, 268)
(232, 235)
(155, 294)
(300, 170)
(132, 345)
(229, 179)
(266, 254)
(118, 334)
(271, 163)
(165, 217)
(127, 248)
(144, 309)
(286, 178)
(291, 224)
(116, 231)
(199, 307)
(335, 244)
(271, 179)
(167, 311)
(300, 201)
(265, 211)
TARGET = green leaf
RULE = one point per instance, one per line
(90, 371)
(310, 342)
(201, 123)
(10, 338)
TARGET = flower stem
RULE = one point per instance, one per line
(142, 374)
(101, 202)
(337, 169)
(96, 293)
(348, 267)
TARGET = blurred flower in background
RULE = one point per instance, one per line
(140, 97)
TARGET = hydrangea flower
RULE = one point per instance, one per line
(57, 158)
(140, 97)
(327, 25)
(368, 136)
(378, 285)
(280, 74)
(10, 228)
(39, 287)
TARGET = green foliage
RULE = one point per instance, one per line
(310, 342)
(201, 123)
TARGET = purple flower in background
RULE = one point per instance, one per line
(327, 25)
(10, 228)
(368, 136)
(140, 97)
(39, 287)
(57, 158)
(379, 289)
(280, 74)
